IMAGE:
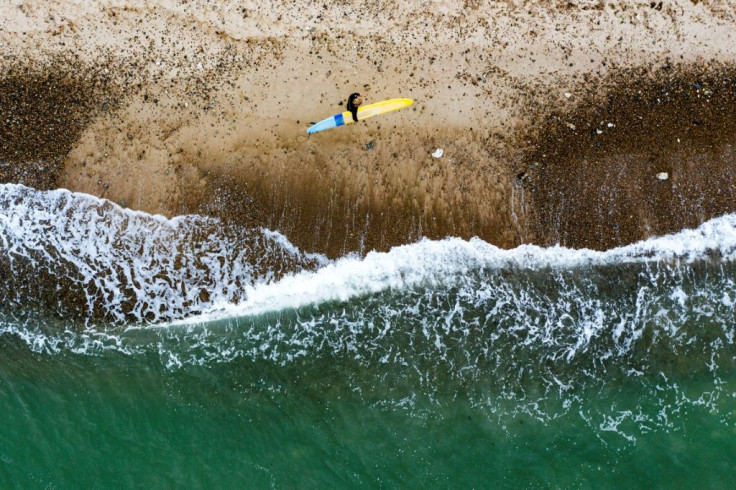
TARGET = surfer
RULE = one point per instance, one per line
(354, 101)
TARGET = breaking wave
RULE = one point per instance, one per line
(532, 328)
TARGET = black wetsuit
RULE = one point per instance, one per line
(352, 107)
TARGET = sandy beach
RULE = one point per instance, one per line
(585, 123)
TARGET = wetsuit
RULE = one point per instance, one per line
(352, 107)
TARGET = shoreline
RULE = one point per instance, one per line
(187, 110)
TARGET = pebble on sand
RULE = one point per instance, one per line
(663, 176)
(438, 153)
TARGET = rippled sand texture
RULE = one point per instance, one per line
(555, 117)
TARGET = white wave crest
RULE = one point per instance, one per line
(431, 261)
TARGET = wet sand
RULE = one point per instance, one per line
(173, 108)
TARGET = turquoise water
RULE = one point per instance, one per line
(74, 421)
(137, 351)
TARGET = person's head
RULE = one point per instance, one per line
(355, 99)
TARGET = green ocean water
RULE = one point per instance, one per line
(74, 421)
(140, 352)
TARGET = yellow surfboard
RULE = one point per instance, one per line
(364, 112)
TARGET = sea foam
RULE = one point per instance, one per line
(123, 265)
(522, 330)
(126, 265)
(432, 261)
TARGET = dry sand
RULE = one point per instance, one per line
(554, 117)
